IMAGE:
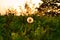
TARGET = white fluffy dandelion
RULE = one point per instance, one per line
(30, 20)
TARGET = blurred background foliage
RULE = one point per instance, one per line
(45, 27)
(17, 28)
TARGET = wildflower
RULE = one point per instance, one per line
(30, 20)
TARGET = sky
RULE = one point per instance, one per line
(5, 4)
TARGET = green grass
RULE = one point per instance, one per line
(17, 28)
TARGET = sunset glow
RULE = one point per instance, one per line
(16, 4)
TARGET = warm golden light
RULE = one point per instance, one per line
(16, 4)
